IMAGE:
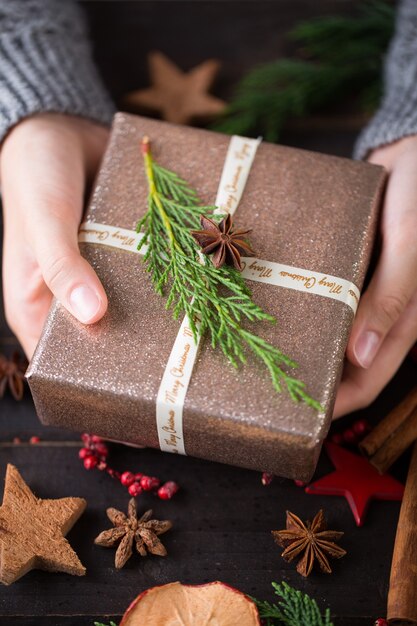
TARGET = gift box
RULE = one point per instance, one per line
(313, 219)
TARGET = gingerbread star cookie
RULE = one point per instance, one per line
(32, 531)
(178, 96)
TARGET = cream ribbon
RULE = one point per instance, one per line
(177, 375)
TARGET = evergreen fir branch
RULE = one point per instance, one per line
(341, 39)
(100, 624)
(338, 57)
(219, 298)
(294, 609)
(275, 92)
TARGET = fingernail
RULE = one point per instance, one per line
(366, 347)
(84, 303)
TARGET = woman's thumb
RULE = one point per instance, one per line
(43, 168)
(70, 278)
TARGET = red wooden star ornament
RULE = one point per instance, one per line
(356, 480)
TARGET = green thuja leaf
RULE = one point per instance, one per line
(293, 609)
(218, 297)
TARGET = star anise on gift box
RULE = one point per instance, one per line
(226, 244)
(128, 529)
(12, 375)
(312, 541)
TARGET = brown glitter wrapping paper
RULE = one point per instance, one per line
(308, 210)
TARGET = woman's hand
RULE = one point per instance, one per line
(45, 164)
(385, 327)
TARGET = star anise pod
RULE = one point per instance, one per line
(128, 529)
(226, 244)
(312, 541)
(12, 375)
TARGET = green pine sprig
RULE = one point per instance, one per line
(100, 624)
(294, 609)
(218, 298)
(338, 58)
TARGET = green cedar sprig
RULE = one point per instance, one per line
(294, 609)
(337, 57)
(218, 298)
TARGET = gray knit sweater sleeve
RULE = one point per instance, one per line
(46, 63)
(397, 115)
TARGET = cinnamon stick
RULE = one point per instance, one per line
(400, 440)
(393, 435)
(402, 595)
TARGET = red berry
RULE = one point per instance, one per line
(34, 439)
(138, 476)
(149, 482)
(381, 622)
(360, 427)
(85, 437)
(101, 465)
(167, 490)
(90, 462)
(300, 483)
(127, 478)
(349, 436)
(135, 489)
(101, 449)
(337, 438)
(84, 452)
(96, 439)
(267, 478)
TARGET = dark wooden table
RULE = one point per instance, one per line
(222, 521)
(222, 515)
